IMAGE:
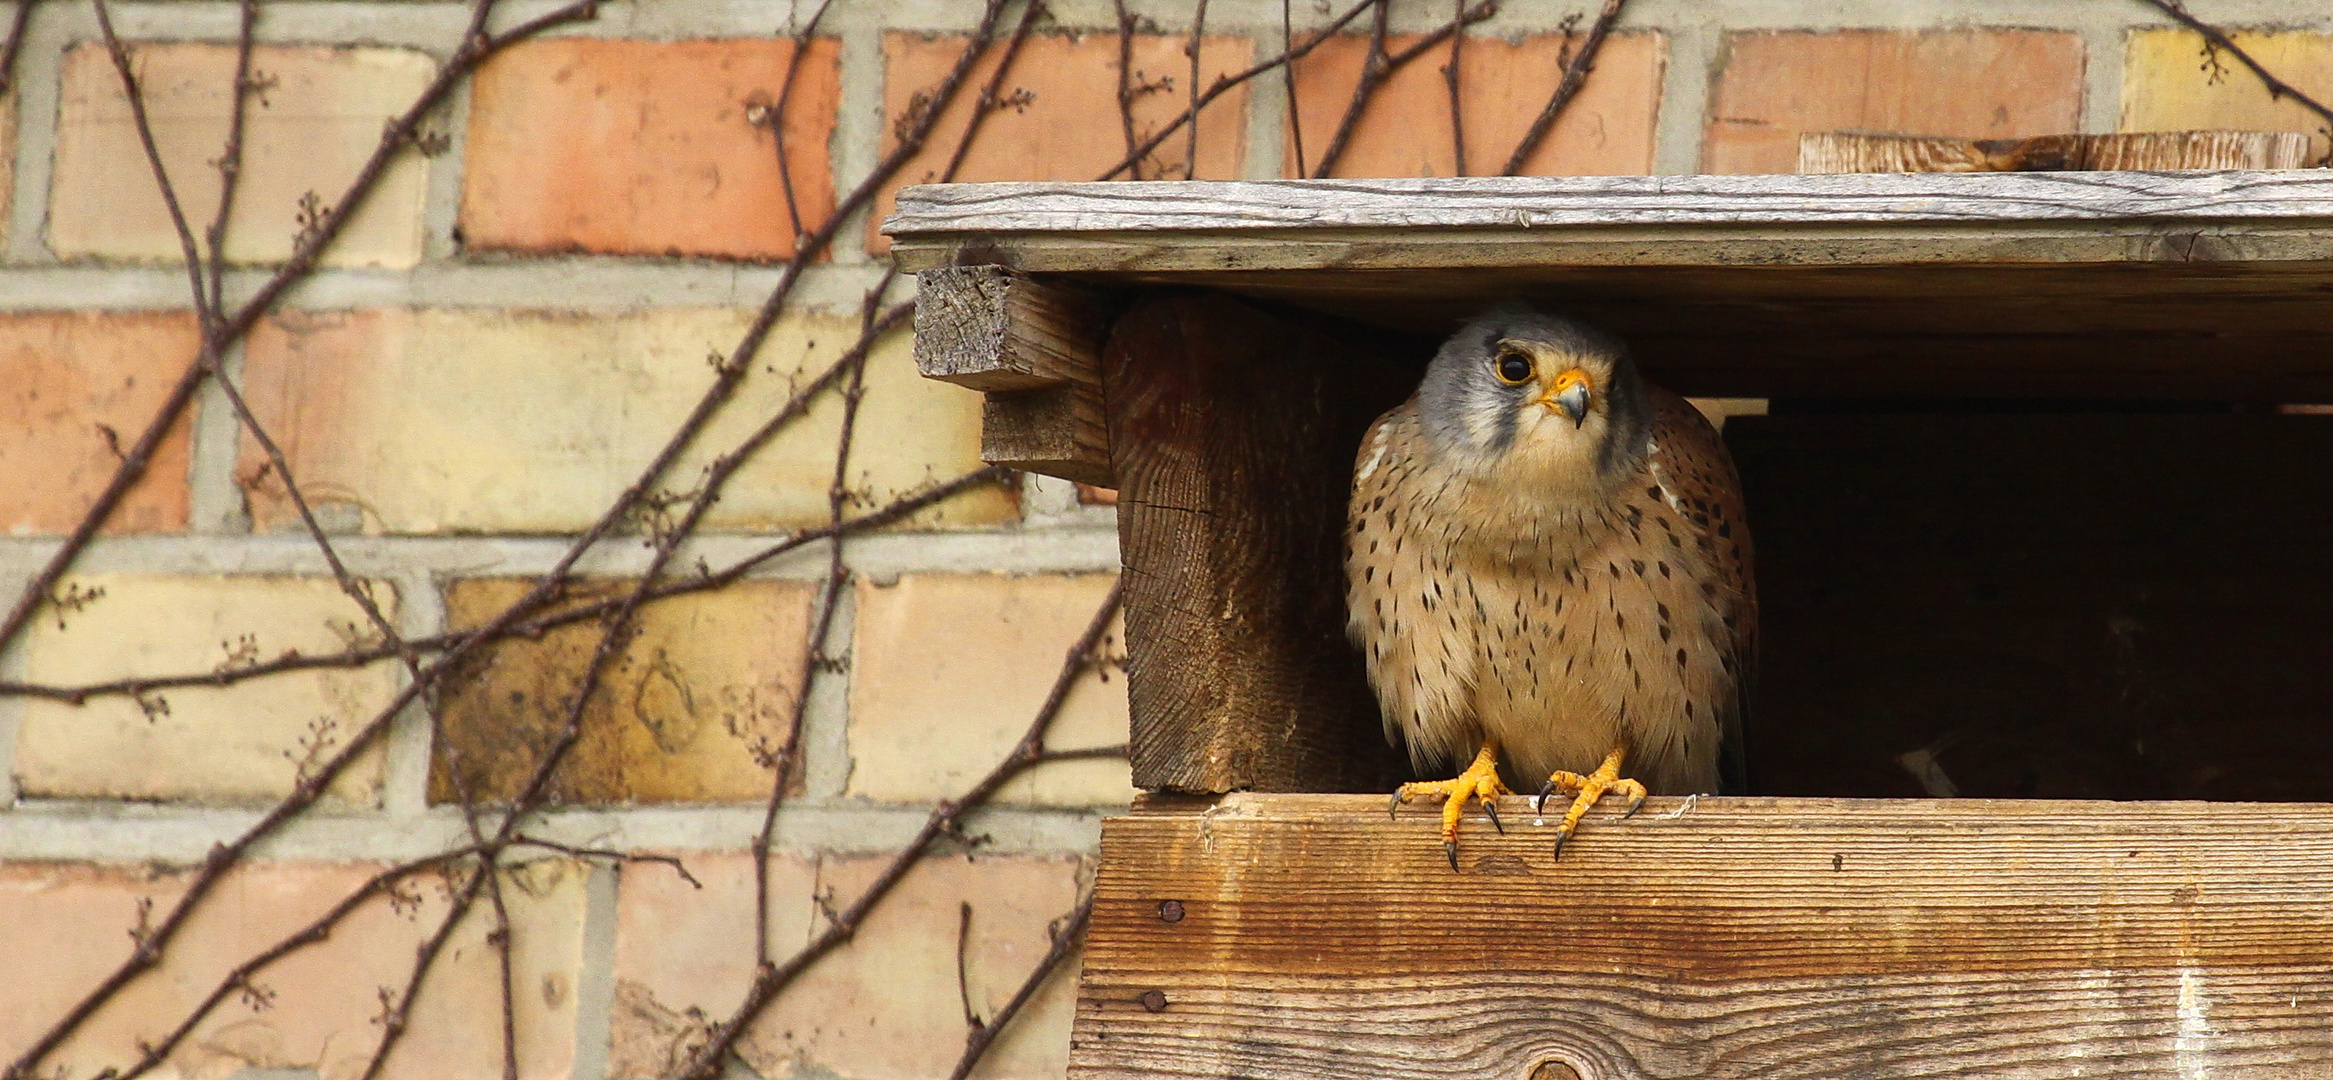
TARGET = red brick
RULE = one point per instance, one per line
(74, 388)
(1977, 84)
(646, 148)
(1503, 86)
(1060, 118)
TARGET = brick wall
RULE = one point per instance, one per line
(512, 325)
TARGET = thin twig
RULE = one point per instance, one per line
(1575, 75)
(777, 116)
(944, 819)
(1067, 935)
(1126, 78)
(475, 49)
(230, 165)
(8, 52)
(610, 855)
(1288, 73)
(1457, 106)
(972, 1023)
(1191, 143)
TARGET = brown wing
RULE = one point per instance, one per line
(1698, 472)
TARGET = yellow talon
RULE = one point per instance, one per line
(1479, 781)
(1588, 789)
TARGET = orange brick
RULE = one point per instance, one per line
(1978, 84)
(74, 387)
(688, 713)
(646, 148)
(887, 1006)
(313, 1010)
(1059, 118)
(1503, 86)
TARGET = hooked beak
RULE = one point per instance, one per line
(1570, 394)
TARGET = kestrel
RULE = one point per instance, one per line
(1547, 559)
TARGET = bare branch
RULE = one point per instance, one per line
(1575, 75)
(1380, 66)
(476, 49)
(15, 45)
(1227, 83)
(2278, 89)
(1191, 142)
(1457, 103)
(1288, 72)
(944, 820)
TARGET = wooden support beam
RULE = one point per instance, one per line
(1866, 152)
(1033, 347)
(1234, 433)
(1781, 939)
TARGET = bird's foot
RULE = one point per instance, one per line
(1586, 790)
(1479, 781)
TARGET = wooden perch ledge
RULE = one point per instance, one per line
(1273, 936)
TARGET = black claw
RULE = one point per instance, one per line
(1634, 805)
(1492, 808)
(1393, 805)
(1450, 848)
(1559, 839)
(1540, 806)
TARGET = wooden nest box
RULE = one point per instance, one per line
(2033, 528)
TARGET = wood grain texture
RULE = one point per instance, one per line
(990, 329)
(1233, 432)
(1507, 221)
(1034, 347)
(1871, 152)
(1846, 940)
(1058, 432)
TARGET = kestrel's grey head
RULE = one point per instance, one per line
(1519, 397)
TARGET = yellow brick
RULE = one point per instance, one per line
(242, 743)
(690, 710)
(310, 131)
(2168, 86)
(68, 926)
(532, 422)
(949, 669)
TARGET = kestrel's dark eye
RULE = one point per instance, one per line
(1513, 368)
